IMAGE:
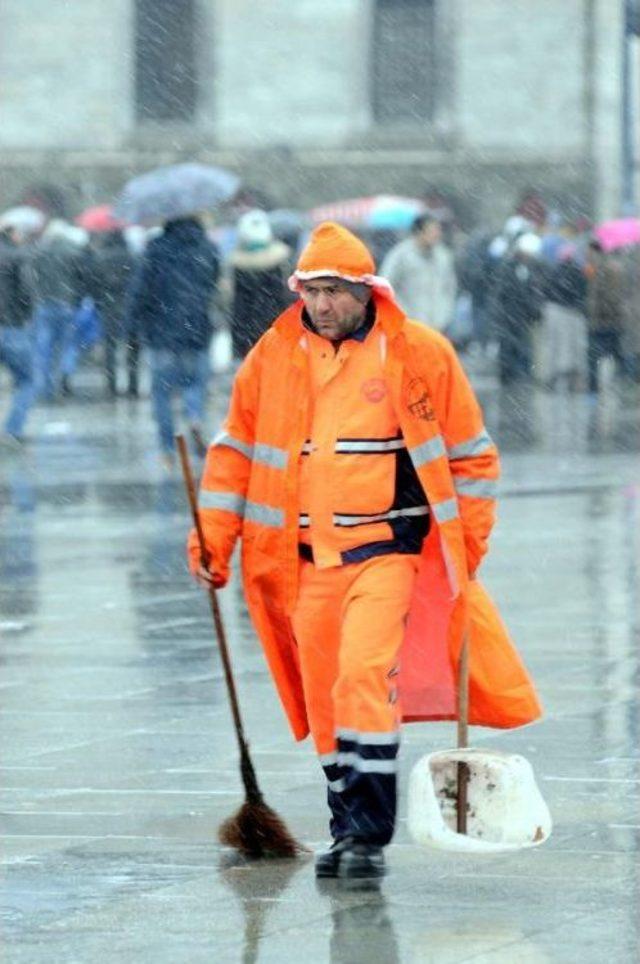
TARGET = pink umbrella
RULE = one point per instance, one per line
(100, 219)
(618, 233)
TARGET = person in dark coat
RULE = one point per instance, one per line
(518, 296)
(58, 277)
(476, 275)
(257, 272)
(564, 325)
(112, 267)
(605, 311)
(16, 351)
(168, 308)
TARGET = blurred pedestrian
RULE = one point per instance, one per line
(257, 272)
(564, 325)
(517, 300)
(476, 273)
(112, 269)
(631, 317)
(16, 337)
(169, 309)
(58, 279)
(422, 273)
(502, 245)
(605, 311)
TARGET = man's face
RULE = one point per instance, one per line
(429, 235)
(334, 311)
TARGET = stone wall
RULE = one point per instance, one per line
(528, 96)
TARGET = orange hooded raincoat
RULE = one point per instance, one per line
(250, 489)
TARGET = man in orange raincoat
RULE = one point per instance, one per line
(355, 466)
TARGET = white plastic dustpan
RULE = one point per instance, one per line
(505, 809)
(472, 800)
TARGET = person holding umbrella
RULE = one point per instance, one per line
(168, 309)
(356, 467)
(169, 300)
(110, 269)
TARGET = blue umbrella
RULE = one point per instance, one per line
(176, 191)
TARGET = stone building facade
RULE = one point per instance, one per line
(315, 99)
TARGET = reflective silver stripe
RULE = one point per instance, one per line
(328, 759)
(357, 520)
(304, 521)
(229, 501)
(478, 488)
(223, 438)
(428, 451)
(445, 511)
(369, 445)
(475, 446)
(270, 455)
(266, 515)
(371, 739)
(260, 452)
(338, 786)
(307, 448)
(366, 766)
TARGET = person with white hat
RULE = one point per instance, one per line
(256, 277)
(517, 302)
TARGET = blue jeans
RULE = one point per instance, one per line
(184, 372)
(54, 348)
(16, 352)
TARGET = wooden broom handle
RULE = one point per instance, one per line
(213, 598)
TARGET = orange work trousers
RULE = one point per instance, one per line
(349, 623)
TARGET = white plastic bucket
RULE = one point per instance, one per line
(505, 809)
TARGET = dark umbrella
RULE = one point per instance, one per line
(175, 192)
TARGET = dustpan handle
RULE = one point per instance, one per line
(463, 691)
(463, 724)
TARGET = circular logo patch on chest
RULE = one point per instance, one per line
(374, 389)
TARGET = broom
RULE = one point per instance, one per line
(255, 830)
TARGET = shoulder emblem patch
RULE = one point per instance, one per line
(418, 401)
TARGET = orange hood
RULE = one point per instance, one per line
(334, 252)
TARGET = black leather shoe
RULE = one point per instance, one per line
(360, 860)
(328, 862)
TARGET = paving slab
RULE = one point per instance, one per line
(118, 762)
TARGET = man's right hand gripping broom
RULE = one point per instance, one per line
(209, 575)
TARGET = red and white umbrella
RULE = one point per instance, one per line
(379, 212)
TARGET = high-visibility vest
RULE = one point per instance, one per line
(250, 487)
(357, 483)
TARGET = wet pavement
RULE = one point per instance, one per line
(117, 760)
